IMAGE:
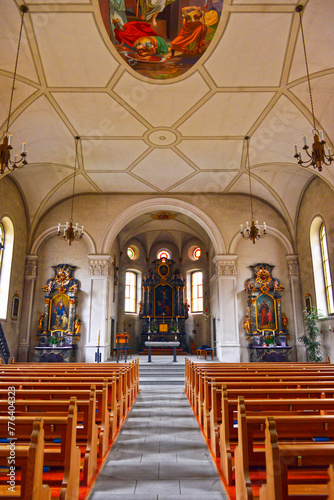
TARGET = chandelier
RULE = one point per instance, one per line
(67, 231)
(5, 146)
(317, 157)
(252, 231)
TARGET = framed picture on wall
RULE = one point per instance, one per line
(15, 306)
(308, 302)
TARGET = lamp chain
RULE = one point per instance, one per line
(249, 177)
(74, 174)
(307, 68)
(24, 9)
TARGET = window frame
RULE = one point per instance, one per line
(127, 296)
(326, 268)
(199, 297)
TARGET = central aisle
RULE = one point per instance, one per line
(160, 452)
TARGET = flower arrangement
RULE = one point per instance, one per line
(54, 340)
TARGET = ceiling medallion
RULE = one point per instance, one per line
(160, 43)
(163, 215)
(163, 138)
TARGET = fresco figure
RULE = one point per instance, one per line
(151, 8)
(117, 12)
(263, 311)
(130, 32)
(150, 45)
(192, 38)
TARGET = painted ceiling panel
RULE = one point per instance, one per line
(65, 191)
(320, 55)
(48, 176)
(323, 101)
(117, 182)
(274, 139)
(226, 114)
(10, 20)
(156, 103)
(111, 155)
(76, 34)
(287, 181)
(258, 190)
(98, 114)
(213, 154)
(162, 168)
(48, 139)
(205, 182)
(22, 91)
(262, 58)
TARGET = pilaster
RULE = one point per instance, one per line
(297, 304)
(100, 271)
(30, 276)
(228, 346)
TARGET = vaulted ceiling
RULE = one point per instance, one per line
(184, 135)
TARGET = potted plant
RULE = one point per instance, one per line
(155, 328)
(53, 341)
(311, 337)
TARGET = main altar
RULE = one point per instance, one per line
(163, 310)
(265, 324)
(59, 326)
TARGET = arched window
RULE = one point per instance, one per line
(130, 292)
(6, 254)
(326, 269)
(321, 267)
(197, 291)
(164, 254)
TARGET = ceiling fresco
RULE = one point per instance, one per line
(161, 39)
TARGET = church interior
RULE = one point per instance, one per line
(189, 207)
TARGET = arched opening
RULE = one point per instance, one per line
(6, 264)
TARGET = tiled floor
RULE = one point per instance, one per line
(160, 453)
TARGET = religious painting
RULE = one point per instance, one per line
(59, 313)
(161, 39)
(163, 301)
(265, 312)
(15, 306)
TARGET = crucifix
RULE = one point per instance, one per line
(115, 277)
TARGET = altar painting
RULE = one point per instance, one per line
(265, 312)
(60, 313)
(161, 39)
(163, 301)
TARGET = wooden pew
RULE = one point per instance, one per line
(290, 428)
(86, 432)
(48, 392)
(29, 458)
(280, 457)
(265, 407)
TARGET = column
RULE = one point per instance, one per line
(296, 324)
(27, 307)
(228, 346)
(100, 287)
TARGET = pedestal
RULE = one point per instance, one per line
(269, 354)
(48, 354)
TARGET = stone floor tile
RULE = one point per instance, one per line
(188, 470)
(159, 487)
(203, 488)
(136, 471)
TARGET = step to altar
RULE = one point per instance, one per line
(162, 351)
(161, 371)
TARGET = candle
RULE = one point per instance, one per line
(296, 149)
(265, 226)
(66, 225)
(321, 135)
(305, 143)
(9, 139)
(98, 338)
(24, 147)
(59, 228)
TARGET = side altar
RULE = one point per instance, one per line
(265, 324)
(163, 310)
(59, 325)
